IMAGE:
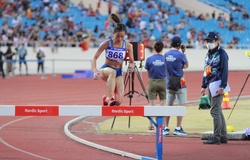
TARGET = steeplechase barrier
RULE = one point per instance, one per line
(93, 110)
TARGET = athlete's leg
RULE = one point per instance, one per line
(119, 90)
(108, 75)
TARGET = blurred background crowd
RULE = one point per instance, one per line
(64, 23)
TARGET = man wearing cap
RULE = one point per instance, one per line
(215, 70)
(176, 61)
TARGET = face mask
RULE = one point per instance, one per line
(211, 45)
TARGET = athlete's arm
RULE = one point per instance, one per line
(99, 51)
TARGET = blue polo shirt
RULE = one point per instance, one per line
(175, 60)
(156, 66)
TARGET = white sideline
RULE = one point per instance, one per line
(67, 127)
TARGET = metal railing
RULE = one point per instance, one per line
(51, 66)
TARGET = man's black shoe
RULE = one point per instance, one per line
(212, 140)
(223, 140)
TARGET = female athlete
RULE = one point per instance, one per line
(111, 72)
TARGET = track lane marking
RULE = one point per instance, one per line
(15, 148)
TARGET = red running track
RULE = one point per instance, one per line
(43, 137)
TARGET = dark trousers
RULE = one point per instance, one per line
(1, 69)
(40, 66)
(220, 130)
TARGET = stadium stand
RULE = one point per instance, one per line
(69, 24)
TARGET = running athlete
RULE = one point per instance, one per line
(111, 72)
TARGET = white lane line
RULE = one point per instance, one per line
(15, 148)
(6, 124)
(69, 124)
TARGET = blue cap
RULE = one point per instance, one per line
(212, 36)
(176, 41)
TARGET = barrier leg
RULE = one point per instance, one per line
(159, 136)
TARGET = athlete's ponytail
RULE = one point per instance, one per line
(119, 27)
(115, 18)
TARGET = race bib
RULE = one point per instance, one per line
(117, 56)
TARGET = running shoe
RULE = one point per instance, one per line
(104, 102)
(112, 102)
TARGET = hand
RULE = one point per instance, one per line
(220, 91)
(96, 75)
(183, 48)
(203, 90)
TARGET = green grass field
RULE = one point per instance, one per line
(195, 122)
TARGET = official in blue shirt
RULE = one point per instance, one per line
(176, 61)
(156, 67)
